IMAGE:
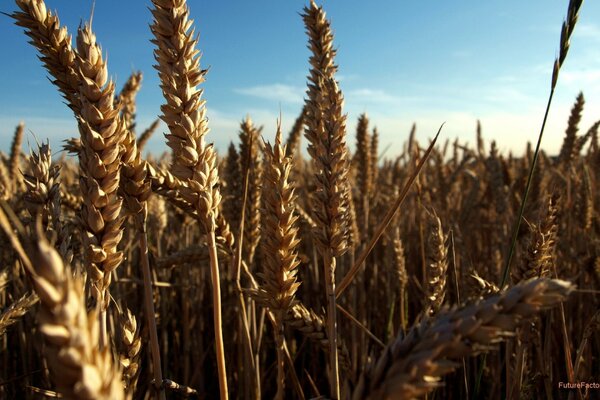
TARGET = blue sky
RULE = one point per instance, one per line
(401, 62)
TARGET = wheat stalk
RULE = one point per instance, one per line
(194, 162)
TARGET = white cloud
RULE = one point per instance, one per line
(369, 96)
(277, 92)
(588, 31)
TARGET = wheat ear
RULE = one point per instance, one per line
(194, 162)
(363, 170)
(326, 131)
(568, 148)
(147, 134)
(437, 267)
(129, 357)
(54, 44)
(102, 133)
(279, 245)
(125, 100)
(136, 189)
(251, 163)
(79, 366)
(412, 365)
(292, 143)
(16, 310)
(14, 162)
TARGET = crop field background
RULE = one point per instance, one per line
(320, 258)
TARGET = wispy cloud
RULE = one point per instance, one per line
(588, 31)
(365, 95)
(275, 92)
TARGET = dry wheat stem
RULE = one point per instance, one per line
(386, 220)
(148, 300)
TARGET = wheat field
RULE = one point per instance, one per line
(287, 266)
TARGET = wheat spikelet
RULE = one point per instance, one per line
(326, 131)
(293, 140)
(14, 162)
(279, 231)
(232, 192)
(400, 267)
(135, 188)
(565, 37)
(129, 357)
(363, 170)
(158, 218)
(43, 197)
(437, 264)
(70, 200)
(125, 100)
(194, 162)
(5, 181)
(78, 366)
(147, 134)
(224, 234)
(586, 197)
(16, 310)
(540, 255)
(41, 183)
(567, 150)
(498, 189)
(480, 142)
(314, 327)
(374, 147)
(280, 261)
(54, 44)
(412, 365)
(251, 163)
(100, 160)
(484, 288)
